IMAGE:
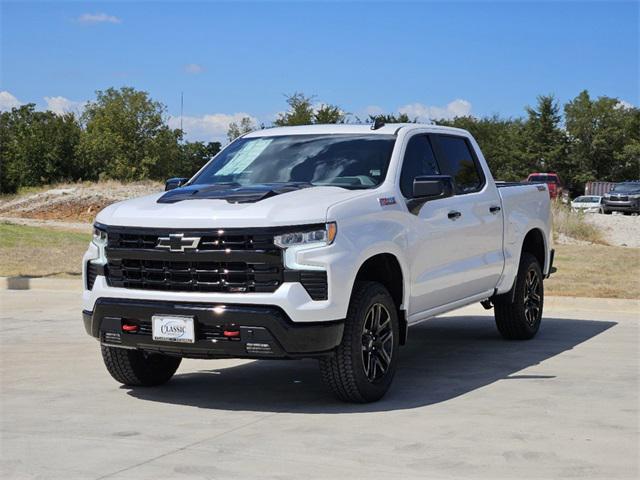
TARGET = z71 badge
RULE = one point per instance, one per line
(387, 201)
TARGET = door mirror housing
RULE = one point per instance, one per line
(432, 187)
(429, 187)
(174, 183)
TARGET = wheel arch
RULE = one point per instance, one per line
(385, 268)
(535, 243)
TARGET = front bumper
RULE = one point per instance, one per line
(630, 206)
(265, 331)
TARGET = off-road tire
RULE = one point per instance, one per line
(510, 309)
(137, 368)
(344, 372)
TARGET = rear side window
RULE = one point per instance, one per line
(459, 162)
(419, 159)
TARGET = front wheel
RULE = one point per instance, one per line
(363, 365)
(518, 314)
(139, 368)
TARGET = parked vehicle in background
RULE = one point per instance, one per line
(598, 188)
(322, 241)
(623, 197)
(551, 179)
(588, 204)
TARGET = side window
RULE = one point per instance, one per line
(460, 163)
(418, 160)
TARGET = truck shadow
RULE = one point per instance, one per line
(444, 358)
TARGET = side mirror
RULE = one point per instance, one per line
(429, 187)
(174, 183)
(432, 187)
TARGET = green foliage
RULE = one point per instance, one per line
(327, 114)
(600, 141)
(605, 138)
(236, 130)
(302, 112)
(194, 155)
(37, 147)
(125, 136)
(392, 118)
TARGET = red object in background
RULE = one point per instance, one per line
(551, 179)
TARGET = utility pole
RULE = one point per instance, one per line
(181, 108)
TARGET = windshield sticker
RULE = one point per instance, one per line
(245, 157)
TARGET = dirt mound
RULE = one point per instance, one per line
(74, 202)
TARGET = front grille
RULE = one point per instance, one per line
(619, 198)
(230, 261)
(193, 276)
(208, 242)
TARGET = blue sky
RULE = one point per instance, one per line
(240, 58)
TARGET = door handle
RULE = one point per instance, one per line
(453, 215)
(495, 209)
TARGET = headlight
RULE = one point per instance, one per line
(100, 240)
(324, 236)
(99, 237)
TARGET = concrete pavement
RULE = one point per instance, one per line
(464, 404)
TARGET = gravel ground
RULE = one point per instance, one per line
(620, 230)
(78, 202)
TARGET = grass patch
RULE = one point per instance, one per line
(573, 225)
(595, 271)
(38, 251)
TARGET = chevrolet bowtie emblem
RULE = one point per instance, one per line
(177, 242)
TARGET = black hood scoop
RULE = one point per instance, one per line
(232, 193)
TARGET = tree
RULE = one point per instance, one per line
(545, 142)
(605, 139)
(302, 112)
(501, 141)
(194, 155)
(236, 130)
(392, 118)
(125, 136)
(37, 147)
(327, 114)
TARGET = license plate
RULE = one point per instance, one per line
(173, 328)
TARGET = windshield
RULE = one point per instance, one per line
(349, 161)
(626, 187)
(587, 200)
(543, 178)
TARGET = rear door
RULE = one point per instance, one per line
(457, 241)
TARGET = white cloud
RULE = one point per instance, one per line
(8, 101)
(456, 108)
(62, 105)
(373, 110)
(193, 68)
(91, 18)
(208, 127)
(624, 104)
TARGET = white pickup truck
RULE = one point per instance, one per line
(315, 241)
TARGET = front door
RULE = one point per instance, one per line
(455, 242)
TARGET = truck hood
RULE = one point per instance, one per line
(298, 207)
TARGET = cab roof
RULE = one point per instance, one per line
(365, 129)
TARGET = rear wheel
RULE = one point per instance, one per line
(518, 314)
(139, 368)
(363, 365)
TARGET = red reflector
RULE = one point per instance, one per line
(231, 333)
(129, 328)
